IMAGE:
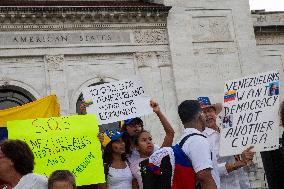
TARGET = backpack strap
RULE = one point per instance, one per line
(192, 134)
(187, 136)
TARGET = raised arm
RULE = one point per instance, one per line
(168, 140)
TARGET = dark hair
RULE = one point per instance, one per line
(136, 139)
(20, 154)
(188, 110)
(282, 113)
(61, 175)
(134, 121)
(107, 157)
(127, 140)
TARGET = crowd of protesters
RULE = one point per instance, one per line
(132, 161)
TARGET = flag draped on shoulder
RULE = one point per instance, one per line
(42, 108)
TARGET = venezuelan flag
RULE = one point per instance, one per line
(230, 96)
(42, 108)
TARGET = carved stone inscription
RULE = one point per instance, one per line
(268, 19)
(157, 36)
(211, 29)
(54, 62)
(54, 39)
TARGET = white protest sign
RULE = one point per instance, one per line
(250, 114)
(119, 100)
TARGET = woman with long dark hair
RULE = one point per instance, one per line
(117, 171)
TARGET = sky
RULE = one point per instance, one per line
(268, 5)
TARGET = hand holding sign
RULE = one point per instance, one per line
(250, 114)
(247, 155)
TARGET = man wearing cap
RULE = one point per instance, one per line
(232, 175)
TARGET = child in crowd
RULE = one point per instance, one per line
(134, 127)
(61, 179)
(117, 171)
(138, 146)
(144, 146)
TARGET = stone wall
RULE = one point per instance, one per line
(269, 36)
(66, 51)
(190, 53)
(215, 42)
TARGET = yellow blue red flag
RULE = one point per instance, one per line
(43, 108)
(230, 96)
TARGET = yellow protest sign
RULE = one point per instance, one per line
(63, 143)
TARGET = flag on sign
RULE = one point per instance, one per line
(230, 96)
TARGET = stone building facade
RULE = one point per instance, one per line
(269, 34)
(182, 49)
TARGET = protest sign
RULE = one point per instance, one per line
(63, 143)
(250, 114)
(118, 100)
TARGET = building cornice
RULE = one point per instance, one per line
(268, 23)
(62, 12)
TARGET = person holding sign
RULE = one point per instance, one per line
(17, 164)
(232, 175)
(117, 171)
(132, 127)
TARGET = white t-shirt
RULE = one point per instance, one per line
(213, 138)
(119, 178)
(32, 181)
(199, 151)
(233, 180)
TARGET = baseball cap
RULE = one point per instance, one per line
(111, 135)
(205, 103)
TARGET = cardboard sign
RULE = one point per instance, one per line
(250, 114)
(118, 100)
(63, 143)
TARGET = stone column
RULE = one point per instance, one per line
(55, 80)
(169, 90)
(156, 71)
